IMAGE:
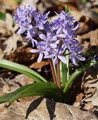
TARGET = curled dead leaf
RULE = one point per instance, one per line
(37, 65)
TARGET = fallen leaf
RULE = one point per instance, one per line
(29, 2)
(39, 65)
(11, 43)
(22, 55)
(90, 85)
(8, 4)
(89, 9)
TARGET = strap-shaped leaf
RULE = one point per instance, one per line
(47, 89)
(2, 16)
(22, 69)
(77, 73)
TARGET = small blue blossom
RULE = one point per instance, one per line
(50, 38)
(57, 54)
(23, 18)
(30, 36)
(41, 49)
(65, 23)
(75, 54)
(40, 19)
(96, 57)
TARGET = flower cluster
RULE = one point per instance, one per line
(52, 39)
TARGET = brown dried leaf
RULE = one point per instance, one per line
(29, 2)
(23, 80)
(11, 43)
(37, 65)
(8, 4)
(89, 41)
(79, 97)
(90, 85)
(22, 55)
(89, 9)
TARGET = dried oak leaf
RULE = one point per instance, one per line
(90, 85)
(8, 5)
(37, 65)
(11, 43)
(22, 55)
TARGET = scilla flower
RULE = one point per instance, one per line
(51, 39)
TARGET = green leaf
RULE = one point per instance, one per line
(63, 73)
(65, 69)
(47, 89)
(22, 69)
(2, 16)
(77, 73)
(67, 9)
(18, 1)
(83, 1)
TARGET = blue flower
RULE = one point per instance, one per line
(57, 54)
(75, 54)
(96, 57)
(40, 19)
(50, 38)
(41, 49)
(30, 36)
(23, 18)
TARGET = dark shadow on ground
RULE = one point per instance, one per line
(51, 108)
(49, 104)
(33, 106)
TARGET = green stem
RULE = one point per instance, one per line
(77, 73)
(65, 69)
(63, 74)
(67, 65)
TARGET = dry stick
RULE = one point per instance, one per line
(58, 74)
(52, 70)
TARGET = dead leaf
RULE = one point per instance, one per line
(1, 53)
(11, 43)
(37, 65)
(22, 55)
(89, 106)
(29, 2)
(90, 42)
(6, 27)
(89, 9)
(8, 4)
(23, 80)
(79, 97)
(9, 22)
(90, 85)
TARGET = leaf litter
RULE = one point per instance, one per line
(14, 48)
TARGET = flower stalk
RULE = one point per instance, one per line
(53, 71)
(58, 75)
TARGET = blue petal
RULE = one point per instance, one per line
(34, 50)
(21, 30)
(59, 30)
(81, 58)
(55, 60)
(62, 58)
(40, 57)
(62, 35)
(42, 36)
(73, 60)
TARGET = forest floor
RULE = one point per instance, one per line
(84, 91)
